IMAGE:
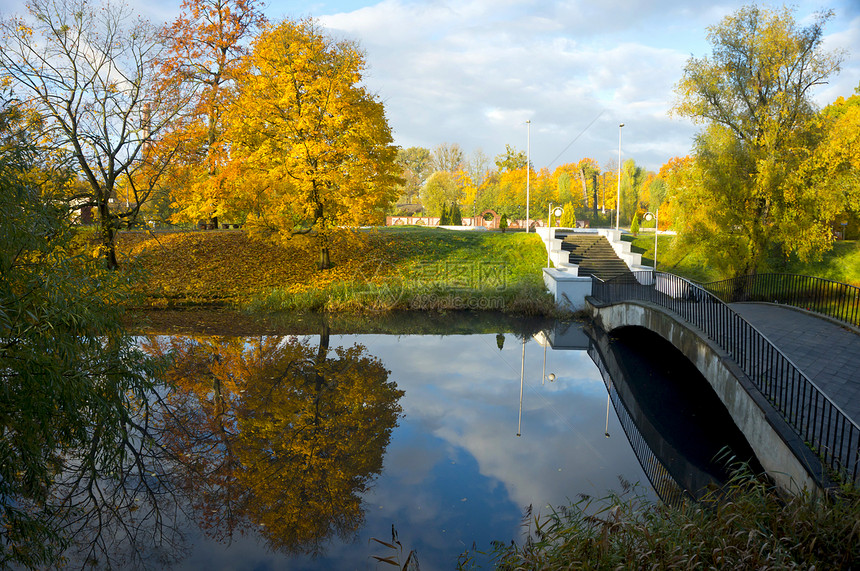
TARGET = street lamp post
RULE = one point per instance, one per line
(606, 428)
(603, 202)
(557, 212)
(522, 377)
(656, 216)
(528, 167)
(618, 195)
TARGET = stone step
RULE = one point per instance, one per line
(594, 255)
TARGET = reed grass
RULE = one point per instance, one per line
(527, 298)
(748, 524)
(398, 557)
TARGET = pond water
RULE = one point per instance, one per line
(299, 449)
(455, 470)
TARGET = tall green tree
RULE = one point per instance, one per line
(511, 159)
(656, 193)
(632, 180)
(456, 214)
(754, 96)
(416, 164)
(834, 167)
(440, 190)
(563, 186)
(587, 169)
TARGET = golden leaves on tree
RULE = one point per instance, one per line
(314, 144)
(278, 435)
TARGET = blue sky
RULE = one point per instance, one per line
(472, 72)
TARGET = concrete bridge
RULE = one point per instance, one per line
(789, 378)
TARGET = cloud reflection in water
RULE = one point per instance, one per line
(455, 471)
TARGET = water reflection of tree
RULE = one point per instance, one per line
(108, 502)
(276, 435)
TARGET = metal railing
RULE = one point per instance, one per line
(834, 299)
(667, 488)
(817, 420)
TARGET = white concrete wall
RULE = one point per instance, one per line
(622, 249)
(568, 289)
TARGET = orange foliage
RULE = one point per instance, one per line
(205, 50)
(304, 125)
(274, 435)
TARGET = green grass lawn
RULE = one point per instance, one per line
(389, 268)
(841, 264)
(415, 268)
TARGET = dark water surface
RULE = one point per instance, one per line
(313, 444)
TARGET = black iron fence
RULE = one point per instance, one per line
(667, 489)
(819, 421)
(833, 299)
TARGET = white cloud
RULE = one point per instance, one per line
(848, 39)
(473, 71)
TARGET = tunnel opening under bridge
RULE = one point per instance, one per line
(677, 411)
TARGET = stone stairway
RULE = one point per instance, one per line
(594, 255)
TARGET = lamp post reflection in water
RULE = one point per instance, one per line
(606, 429)
(542, 338)
(522, 374)
(543, 372)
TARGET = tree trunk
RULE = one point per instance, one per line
(112, 263)
(320, 382)
(324, 261)
(108, 235)
(584, 187)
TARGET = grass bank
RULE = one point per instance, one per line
(383, 269)
(841, 264)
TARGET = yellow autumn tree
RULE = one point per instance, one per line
(469, 191)
(671, 181)
(834, 166)
(677, 174)
(511, 197)
(315, 142)
(275, 435)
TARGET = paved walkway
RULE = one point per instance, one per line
(827, 353)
